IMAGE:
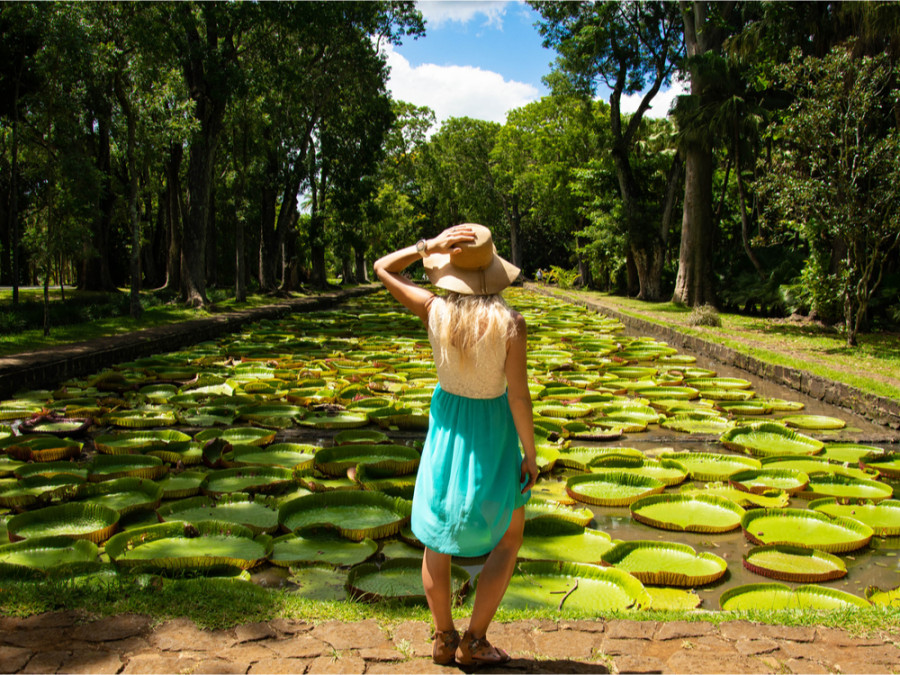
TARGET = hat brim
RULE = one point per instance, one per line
(494, 278)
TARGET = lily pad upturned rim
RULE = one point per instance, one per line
(710, 500)
(808, 589)
(864, 532)
(269, 479)
(712, 458)
(880, 530)
(323, 500)
(816, 487)
(107, 520)
(120, 543)
(651, 486)
(153, 491)
(366, 548)
(744, 480)
(335, 460)
(85, 551)
(663, 576)
(460, 581)
(169, 512)
(839, 568)
(732, 440)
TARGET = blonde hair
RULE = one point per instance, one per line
(469, 321)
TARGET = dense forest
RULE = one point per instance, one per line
(196, 145)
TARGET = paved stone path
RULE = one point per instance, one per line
(71, 642)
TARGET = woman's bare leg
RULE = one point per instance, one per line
(495, 576)
(436, 580)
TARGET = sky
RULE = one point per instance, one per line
(480, 59)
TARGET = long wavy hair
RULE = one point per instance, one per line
(470, 321)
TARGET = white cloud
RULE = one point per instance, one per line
(456, 91)
(437, 12)
(659, 106)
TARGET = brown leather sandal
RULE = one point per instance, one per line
(443, 649)
(477, 650)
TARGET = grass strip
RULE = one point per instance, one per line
(223, 603)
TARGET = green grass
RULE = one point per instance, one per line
(872, 366)
(155, 314)
(222, 603)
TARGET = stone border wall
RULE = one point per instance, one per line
(34, 370)
(879, 409)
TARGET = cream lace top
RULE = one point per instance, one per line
(484, 373)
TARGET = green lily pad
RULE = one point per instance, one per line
(36, 556)
(295, 456)
(890, 598)
(794, 563)
(182, 485)
(666, 563)
(809, 529)
(688, 513)
(177, 547)
(264, 479)
(815, 465)
(846, 487)
(355, 514)
(849, 452)
(259, 514)
(398, 579)
(293, 549)
(76, 520)
(666, 599)
(711, 466)
(814, 422)
(772, 499)
(137, 441)
(690, 424)
(765, 439)
(612, 488)
(237, 435)
(578, 587)
(382, 459)
(108, 467)
(779, 596)
(539, 509)
(888, 464)
(883, 517)
(125, 495)
(321, 584)
(765, 479)
(560, 540)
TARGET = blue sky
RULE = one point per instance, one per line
(478, 59)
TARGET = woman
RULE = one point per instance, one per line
(472, 483)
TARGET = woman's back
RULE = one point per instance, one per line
(476, 372)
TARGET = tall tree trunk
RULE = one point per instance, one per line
(174, 217)
(694, 283)
(268, 240)
(133, 214)
(745, 219)
(212, 269)
(14, 199)
(515, 240)
(362, 272)
(96, 274)
(193, 243)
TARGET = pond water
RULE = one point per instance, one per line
(323, 361)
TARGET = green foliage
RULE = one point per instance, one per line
(563, 278)
(834, 177)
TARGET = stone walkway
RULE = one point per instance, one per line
(70, 642)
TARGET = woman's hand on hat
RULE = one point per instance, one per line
(446, 241)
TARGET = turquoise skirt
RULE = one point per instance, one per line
(467, 485)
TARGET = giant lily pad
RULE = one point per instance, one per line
(665, 599)
(814, 422)
(34, 557)
(578, 587)
(379, 459)
(809, 529)
(41, 448)
(76, 520)
(693, 424)
(107, 467)
(688, 513)
(178, 547)
(667, 471)
(293, 549)
(887, 464)
(665, 563)
(883, 517)
(889, 598)
(846, 487)
(711, 466)
(321, 584)
(355, 514)
(563, 540)
(772, 499)
(542, 509)
(612, 488)
(849, 452)
(259, 514)
(764, 479)
(794, 563)
(815, 465)
(296, 456)
(265, 479)
(137, 441)
(779, 596)
(125, 495)
(237, 435)
(184, 484)
(398, 579)
(764, 439)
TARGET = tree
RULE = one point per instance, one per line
(629, 47)
(835, 175)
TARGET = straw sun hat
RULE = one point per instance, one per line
(475, 269)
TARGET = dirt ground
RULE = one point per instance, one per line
(70, 642)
